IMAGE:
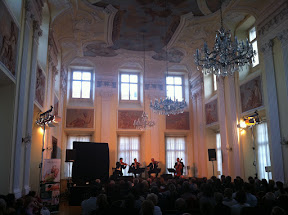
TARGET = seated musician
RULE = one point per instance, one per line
(153, 167)
(119, 166)
(135, 167)
(179, 165)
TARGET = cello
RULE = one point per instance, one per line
(178, 168)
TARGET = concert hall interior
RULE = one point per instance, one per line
(84, 83)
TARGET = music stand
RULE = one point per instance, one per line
(171, 170)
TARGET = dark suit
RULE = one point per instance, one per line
(153, 169)
(118, 169)
(135, 168)
(182, 166)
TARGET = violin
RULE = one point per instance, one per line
(122, 163)
(179, 168)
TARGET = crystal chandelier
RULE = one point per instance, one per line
(143, 123)
(168, 106)
(226, 56)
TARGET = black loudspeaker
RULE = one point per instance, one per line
(70, 155)
(92, 162)
(212, 154)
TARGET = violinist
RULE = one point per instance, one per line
(153, 167)
(119, 166)
(135, 167)
(179, 167)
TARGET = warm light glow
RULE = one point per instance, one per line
(242, 124)
(41, 130)
(242, 132)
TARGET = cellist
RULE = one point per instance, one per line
(179, 167)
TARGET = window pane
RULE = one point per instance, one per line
(256, 58)
(86, 89)
(170, 92)
(124, 78)
(252, 34)
(133, 78)
(133, 92)
(76, 75)
(125, 91)
(215, 82)
(178, 93)
(86, 76)
(76, 89)
(178, 80)
(169, 80)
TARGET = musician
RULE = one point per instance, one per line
(153, 167)
(119, 166)
(179, 165)
(135, 167)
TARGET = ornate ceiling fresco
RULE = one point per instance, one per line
(109, 28)
(159, 20)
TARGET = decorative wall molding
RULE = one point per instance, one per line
(283, 37)
(274, 20)
(106, 84)
(179, 29)
(37, 31)
(63, 80)
(266, 48)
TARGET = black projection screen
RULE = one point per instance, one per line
(92, 161)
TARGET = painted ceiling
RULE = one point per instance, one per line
(157, 20)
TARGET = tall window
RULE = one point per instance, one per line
(253, 41)
(128, 149)
(263, 152)
(214, 82)
(81, 84)
(174, 87)
(129, 87)
(219, 153)
(175, 148)
(70, 140)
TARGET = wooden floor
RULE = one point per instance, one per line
(65, 209)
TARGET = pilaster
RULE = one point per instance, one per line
(273, 113)
(223, 126)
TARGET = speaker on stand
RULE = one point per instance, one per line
(212, 157)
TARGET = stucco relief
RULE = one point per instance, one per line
(211, 112)
(9, 33)
(126, 118)
(98, 49)
(178, 122)
(173, 55)
(40, 87)
(275, 21)
(80, 118)
(251, 94)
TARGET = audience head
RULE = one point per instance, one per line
(152, 197)
(278, 211)
(218, 197)
(180, 204)
(228, 193)
(241, 197)
(102, 201)
(147, 207)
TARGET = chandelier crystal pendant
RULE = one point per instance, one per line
(226, 57)
(168, 106)
(143, 123)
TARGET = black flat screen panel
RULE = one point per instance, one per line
(91, 162)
